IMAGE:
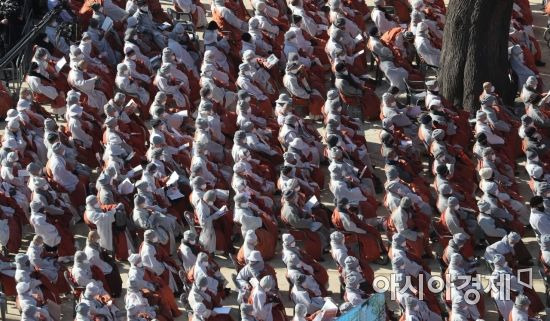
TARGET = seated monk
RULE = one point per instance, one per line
(153, 289)
(215, 222)
(255, 268)
(55, 233)
(46, 267)
(460, 243)
(346, 182)
(158, 264)
(317, 211)
(10, 225)
(202, 302)
(366, 236)
(402, 221)
(43, 90)
(263, 225)
(227, 19)
(249, 244)
(308, 264)
(137, 305)
(7, 273)
(102, 306)
(356, 90)
(58, 171)
(340, 252)
(102, 264)
(265, 299)
(303, 225)
(81, 275)
(205, 266)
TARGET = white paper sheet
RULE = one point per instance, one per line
(131, 103)
(107, 24)
(165, 26)
(271, 61)
(134, 171)
(132, 154)
(363, 172)
(405, 143)
(311, 202)
(176, 133)
(174, 193)
(173, 179)
(126, 187)
(359, 53)
(60, 64)
(329, 306)
(328, 312)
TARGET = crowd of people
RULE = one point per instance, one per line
(174, 152)
(11, 19)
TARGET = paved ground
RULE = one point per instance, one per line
(371, 134)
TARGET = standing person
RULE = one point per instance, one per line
(79, 79)
(207, 213)
(103, 222)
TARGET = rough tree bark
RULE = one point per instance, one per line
(475, 50)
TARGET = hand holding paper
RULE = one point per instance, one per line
(173, 179)
(60, 64)
(311, 203)
(271, 61)
(173, 193)
(134, 171)
(131, 103)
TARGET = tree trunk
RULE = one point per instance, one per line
(475, 50)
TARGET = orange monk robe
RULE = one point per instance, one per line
(6, 102)
(159, 14)
(369, 104)
(402, 10)
(369, 244)
(416, 247)
(168, 301)
(15, 231)
(311, 242)
(319, 272)
(527, 14)
(277, 310)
